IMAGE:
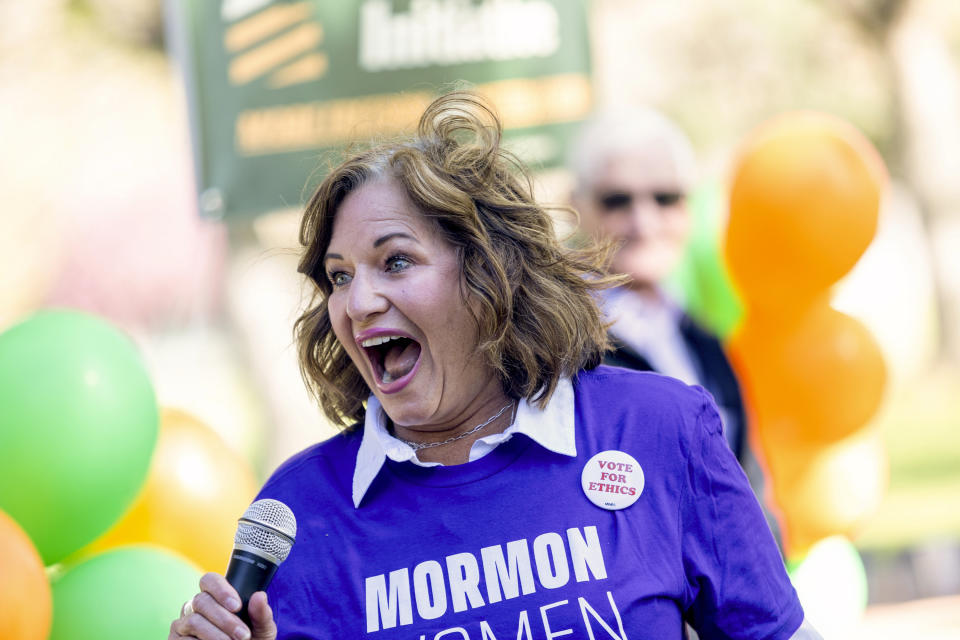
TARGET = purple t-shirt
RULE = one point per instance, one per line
(509, 547)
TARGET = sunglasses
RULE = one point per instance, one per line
(613, 200)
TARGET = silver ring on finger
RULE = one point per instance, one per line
(187, 608)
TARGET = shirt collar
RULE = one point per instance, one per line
(623, 300)
(651, 328)
(551, 427)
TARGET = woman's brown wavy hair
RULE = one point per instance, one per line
(532, 298)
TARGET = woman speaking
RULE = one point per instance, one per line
(496, 483)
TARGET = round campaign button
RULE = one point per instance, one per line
(612, 480)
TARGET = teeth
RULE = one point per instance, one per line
(387, 378)
(372, 342)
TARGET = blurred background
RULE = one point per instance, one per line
(105, 210)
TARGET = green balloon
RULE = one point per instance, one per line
(701, 280)
(831, 583)
(78, 424)
(122, 594)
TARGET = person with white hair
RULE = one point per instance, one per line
(633, 171)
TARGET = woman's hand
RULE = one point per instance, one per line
(211, 614)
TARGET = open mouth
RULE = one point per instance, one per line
(392, 357)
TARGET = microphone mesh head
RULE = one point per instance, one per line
(268, 525)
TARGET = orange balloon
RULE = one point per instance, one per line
(196, 489)
(826, 490)
(815, 377)
(804, 205)
(26, 603)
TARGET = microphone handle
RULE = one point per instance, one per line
(248, 573)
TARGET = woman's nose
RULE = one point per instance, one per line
(365, 298)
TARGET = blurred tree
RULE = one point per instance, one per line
(721, 67)
(914, 38)
(139, 22)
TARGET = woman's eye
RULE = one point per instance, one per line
(397, 263)
(338, 278)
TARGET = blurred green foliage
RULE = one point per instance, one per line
(921, 427)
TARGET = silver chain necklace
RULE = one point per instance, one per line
(420, 445)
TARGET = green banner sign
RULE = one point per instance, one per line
(274, 86)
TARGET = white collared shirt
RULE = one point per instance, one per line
(652, 330)
(551, 427)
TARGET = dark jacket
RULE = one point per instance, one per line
(715, 373)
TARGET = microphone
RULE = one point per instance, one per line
(265, 535)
